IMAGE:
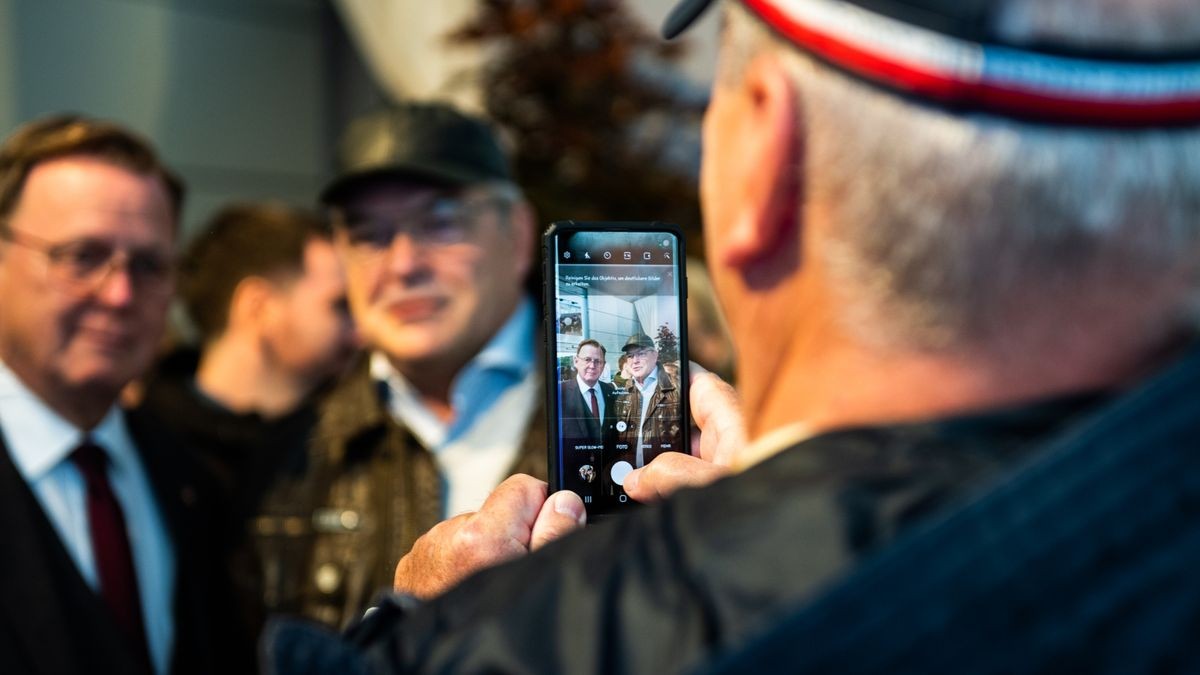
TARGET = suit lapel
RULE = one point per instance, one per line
(59, 623)
(609, 393)
(593, 426)
(577, 412)
(173, 480)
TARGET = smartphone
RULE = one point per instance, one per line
(616, 348)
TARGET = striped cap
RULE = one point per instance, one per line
(944, 52)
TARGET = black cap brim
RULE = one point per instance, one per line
(417, 142)
(439, 176)
(682, 16)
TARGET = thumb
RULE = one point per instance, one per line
(562, 514)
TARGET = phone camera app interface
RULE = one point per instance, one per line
(617, 319)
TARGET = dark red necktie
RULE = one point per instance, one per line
(110, 547)
(595, 405)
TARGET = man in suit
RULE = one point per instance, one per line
(97, 571)
(588, 417)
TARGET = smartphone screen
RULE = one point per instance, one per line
(616, 332)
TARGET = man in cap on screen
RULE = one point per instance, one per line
(648, 411)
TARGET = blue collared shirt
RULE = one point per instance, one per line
(40, 443)
(493, 397)
(504, 361)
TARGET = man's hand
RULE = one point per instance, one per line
(718, 412)
(516, 518)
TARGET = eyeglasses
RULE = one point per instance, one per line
(441, 222)
(82, 265)
(641, 354)
(591, 362)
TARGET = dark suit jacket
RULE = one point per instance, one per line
(52, 622)
(579, 427)
(577, 419)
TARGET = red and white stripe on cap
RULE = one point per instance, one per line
(992, 78)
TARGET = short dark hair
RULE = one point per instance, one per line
(59, 136)
(594, 343)
(242, 240)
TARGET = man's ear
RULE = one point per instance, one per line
(768, 161)
(250, 302)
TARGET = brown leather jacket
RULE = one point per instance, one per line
(661, 430)
(330, 540)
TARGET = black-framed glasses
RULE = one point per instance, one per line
(82, 265)
(442, 221)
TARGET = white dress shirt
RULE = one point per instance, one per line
(646, 388)
(584, 389)
(40, 443)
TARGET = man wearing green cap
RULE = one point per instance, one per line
(648, 411)
(436, 240)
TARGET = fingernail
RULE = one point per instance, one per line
(631, 480)
(570, 506)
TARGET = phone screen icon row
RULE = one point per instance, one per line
(645, 256)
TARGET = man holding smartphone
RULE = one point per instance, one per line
(955, 241)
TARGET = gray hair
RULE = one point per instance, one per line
(947, 227)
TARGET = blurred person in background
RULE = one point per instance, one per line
(266, 294)
(108, 561)
(621, 379)
(437, 243)
(933, 274)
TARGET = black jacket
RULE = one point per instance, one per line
(245, 452)
(53, 623)
(726, 572)
(577, 421)
(245, 456)
(586, 441)
(1083, 561)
